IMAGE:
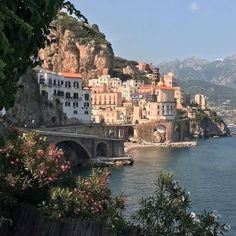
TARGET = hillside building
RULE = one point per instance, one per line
(200, 99)
(68, 89)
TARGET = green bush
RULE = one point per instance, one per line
(166, 213)
(89, 199)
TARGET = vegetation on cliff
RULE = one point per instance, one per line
(75, 48)
(208, 124)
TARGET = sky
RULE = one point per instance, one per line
(155, 31)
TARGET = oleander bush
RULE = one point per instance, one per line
(34, 173)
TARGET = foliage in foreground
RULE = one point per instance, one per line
(166, 213)
(33, 173)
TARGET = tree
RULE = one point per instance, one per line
(24, 26)
(166, 213)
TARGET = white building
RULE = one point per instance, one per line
(134, 83)
(67, 88)
(105, 79)
(126, 91)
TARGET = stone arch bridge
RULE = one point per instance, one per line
(84, 147)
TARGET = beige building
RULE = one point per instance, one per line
(163, 109)
(200, 99)
(169, 79)
(106, 99)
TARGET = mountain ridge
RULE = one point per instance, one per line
(219, 72)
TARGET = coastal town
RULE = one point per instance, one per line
(119, 137)
(113, 101)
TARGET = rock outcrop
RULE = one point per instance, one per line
(74, 48)
(208, 125)
(31, 109)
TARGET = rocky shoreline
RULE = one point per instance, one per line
(135, 145)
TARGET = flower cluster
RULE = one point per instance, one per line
(89, 199)
(27, 165)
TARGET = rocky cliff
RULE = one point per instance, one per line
(73, 48)
(208, 124)
(31, 109)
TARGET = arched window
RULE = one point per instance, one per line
(86, 112)
(67, 84)
(76, 85)
(75, 112)
(54, 82)
(67, 104)
(50, 81)
(76, 95)
(67, 95)
(86, 104)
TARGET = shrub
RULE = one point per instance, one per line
(90, 199)
(28, 166)
(36, 173)
(166, 213)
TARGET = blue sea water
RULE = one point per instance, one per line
(207, 171)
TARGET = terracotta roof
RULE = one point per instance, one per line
(166, 87)
(71, 75)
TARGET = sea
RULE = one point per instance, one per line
(207, 171)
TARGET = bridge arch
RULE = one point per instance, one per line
(75, 152)
(101, 150)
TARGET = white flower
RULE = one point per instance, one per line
(193, 215)
(215, 215)
(227, 227)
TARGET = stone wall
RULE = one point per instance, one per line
(163, 131)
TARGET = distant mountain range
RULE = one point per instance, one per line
(219, 72)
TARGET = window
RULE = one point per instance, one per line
(41, 79)
(86, 104)
(86, 96)
(50, 81)
(67, 95)
(86, 112)
(55, 92)
(67, 104)
(76, 96)
(75, 104)
(62, 82)
(54, 82)
(75, 112)
(76, 85)
(67, 84)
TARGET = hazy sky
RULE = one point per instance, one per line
(162, 30)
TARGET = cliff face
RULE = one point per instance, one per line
(31, 109)
(208, 125)
(73, 48)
